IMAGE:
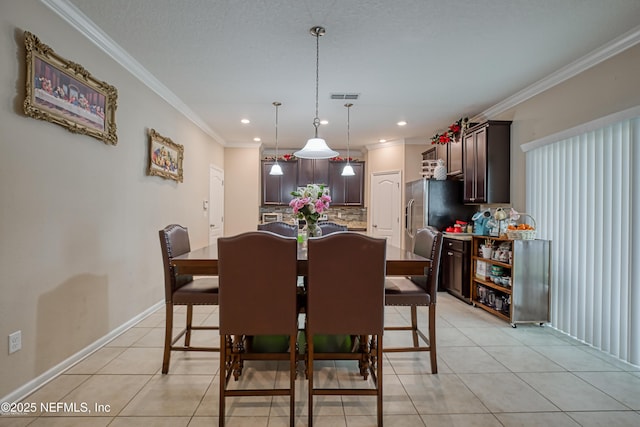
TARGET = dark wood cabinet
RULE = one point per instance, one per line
(454, 158)
(486, 159)
(455, 265)
(346, 190)
(313, 171)
(276, 189)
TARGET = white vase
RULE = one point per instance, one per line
(440, 171)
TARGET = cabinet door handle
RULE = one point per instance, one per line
(450, 253)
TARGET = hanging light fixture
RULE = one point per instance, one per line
(275, 168)
(348, 169)
(316, 148)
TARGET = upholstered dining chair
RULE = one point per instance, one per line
(329, 227)
(181, 289)
(279, 227)
(258, 288)
(418, 291)
(345, 296)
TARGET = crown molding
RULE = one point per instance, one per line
(592, 59)
(74, 17)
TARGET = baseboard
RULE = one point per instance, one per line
(28, 388)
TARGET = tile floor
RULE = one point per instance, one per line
(489, 375)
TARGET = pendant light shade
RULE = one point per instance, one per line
(316, 148)
(348, 169)
(275, 168)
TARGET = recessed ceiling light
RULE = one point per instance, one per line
(382, 140)
(402, 123)
(245, 121)
(256, 139)
(324, 122)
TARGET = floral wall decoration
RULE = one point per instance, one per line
(453, 133)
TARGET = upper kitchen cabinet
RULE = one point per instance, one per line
(313, 171)
(276, 189)
(346, 190)
(486, 162)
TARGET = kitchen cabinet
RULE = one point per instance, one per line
(455, 267)
(454, 159)
(511, 279)
(276, 189)
(486, 154)
(313, 171)
(346, 190)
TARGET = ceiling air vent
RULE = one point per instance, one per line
(345, 96)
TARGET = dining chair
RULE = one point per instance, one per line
(280, 227)
(345, 296)
(258, 275)
(329, 227)
(181, 289)
(417, 291)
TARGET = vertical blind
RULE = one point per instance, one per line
(584, 192)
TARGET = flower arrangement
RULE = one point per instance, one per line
(309, 202)
(342, 159)
(453, 133)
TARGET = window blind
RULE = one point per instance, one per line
(584, 192)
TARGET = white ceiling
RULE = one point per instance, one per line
(428, 62)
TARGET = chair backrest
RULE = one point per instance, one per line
(428, 244)
(257, 284)
(281, 228)
(174, 241)
(345, 290)
(328, 227)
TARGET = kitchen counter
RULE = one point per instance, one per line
(458, 236)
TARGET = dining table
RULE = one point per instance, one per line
(204, 262)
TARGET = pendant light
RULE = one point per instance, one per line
(316, 148)
(275, 168)
(348, 169)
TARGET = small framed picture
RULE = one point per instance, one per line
(165, 157)
(62, 92)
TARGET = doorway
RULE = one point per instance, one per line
(216, 204)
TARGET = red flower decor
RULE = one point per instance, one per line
(284, 157)
(453, 133)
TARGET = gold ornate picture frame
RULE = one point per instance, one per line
(63, 92)
(165, 157)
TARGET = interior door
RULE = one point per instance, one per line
(216, 204)
(386, 209)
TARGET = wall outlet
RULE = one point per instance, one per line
(339, 214)
(15, 341)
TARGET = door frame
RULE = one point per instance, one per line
(214, 170)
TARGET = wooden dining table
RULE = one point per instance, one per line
(204, 262)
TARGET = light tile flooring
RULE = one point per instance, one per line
(489, 375)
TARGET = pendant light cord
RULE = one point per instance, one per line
(317, 32)
(348, 129)
(277, 104)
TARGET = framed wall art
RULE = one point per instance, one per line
(63, 92)
(165, 157)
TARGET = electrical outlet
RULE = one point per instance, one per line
(15, 341)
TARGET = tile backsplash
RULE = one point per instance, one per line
(337, 213)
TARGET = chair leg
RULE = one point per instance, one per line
(167, 337)
(310, 377)
(187, 337)
(379, 377)
(222, 373)
(414, 325)
(432, 338)
(293, 362)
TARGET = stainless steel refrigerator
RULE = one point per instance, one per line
(435, 203)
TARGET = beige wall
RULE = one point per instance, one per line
(79, 219)
(242, 190)
(607, 88)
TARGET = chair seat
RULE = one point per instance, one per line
(199, 291)
(402, 291)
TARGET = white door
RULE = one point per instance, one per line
(385, 206)
(216, 204)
